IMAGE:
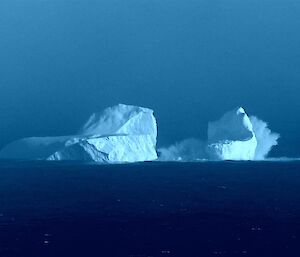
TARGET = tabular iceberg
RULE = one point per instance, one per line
(122, 133)
(232, 137)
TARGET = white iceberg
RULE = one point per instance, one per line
(122, 133)
(125, 133)
(232, 137)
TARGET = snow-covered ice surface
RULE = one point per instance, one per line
(122, 133)
(121, 119)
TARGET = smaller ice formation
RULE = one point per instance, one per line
(122, 133)
(232, 137)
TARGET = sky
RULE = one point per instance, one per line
(189, 60)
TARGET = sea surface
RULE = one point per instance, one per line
(149, 209)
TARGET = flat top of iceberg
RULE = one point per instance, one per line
(121, 119)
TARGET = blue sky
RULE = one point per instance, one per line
(189, 60)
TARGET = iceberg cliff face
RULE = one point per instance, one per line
(122, 133)
(109, 149)
(232, 137)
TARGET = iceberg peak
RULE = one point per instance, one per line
(240, 110)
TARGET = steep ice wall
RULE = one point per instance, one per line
(110, 149)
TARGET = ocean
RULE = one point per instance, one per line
(70, 209)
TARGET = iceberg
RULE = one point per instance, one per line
(122, 133)
(126, 133)
(232, 137)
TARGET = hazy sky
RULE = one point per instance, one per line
(189, 60)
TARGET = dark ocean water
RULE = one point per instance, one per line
(150, 209)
